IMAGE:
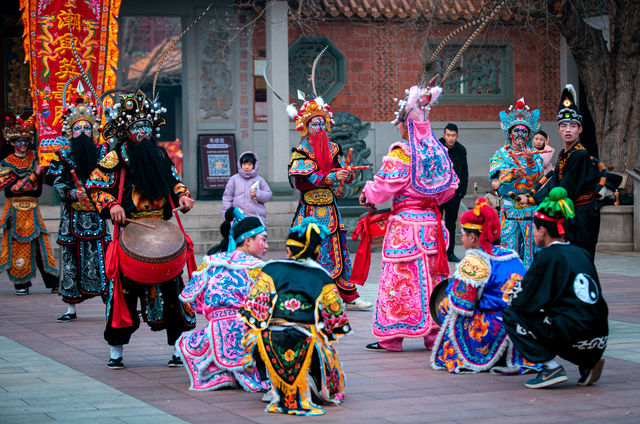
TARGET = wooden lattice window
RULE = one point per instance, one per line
(330, 72)
(484, 74)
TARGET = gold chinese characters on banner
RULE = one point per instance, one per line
(50, 27)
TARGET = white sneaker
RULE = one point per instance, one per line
(358, 305)
(267, 397)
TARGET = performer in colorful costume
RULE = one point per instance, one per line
(83, 235)
(315, 167)
(294, 313)
(472, 338)
(417, 175)
(576, 172)
(150, 184)
(558, 308)
(519, 169)
(214, 355)
(25, 242)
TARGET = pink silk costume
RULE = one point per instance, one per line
(418, 175)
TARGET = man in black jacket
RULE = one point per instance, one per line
(458, 156)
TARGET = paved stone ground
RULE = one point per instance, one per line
(56, 372)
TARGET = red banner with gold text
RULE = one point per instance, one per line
(49, 28)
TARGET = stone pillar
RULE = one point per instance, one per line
(278, 120)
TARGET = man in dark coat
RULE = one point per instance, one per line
(458, 156)
(558, 309)
(576, 172)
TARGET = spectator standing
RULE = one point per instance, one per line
(458, 156)
(540, 141)
(247, 190)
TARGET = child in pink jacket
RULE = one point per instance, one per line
(246, 189)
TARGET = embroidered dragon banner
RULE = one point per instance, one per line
(48, 29)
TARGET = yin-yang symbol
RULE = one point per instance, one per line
(585, 288)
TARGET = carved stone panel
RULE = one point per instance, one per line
(215, 101)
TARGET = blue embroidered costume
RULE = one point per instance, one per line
(472, 337)
(517, 176)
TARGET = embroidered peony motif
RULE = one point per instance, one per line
(291, 304)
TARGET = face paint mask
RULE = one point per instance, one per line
(139, 131)
(316, 125)
(519, 135)
(81, 127)
(21, 145)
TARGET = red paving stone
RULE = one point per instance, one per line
(382, 387)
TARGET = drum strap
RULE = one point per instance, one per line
(191, 259)
(120, 317)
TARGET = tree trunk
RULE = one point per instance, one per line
(609, 77)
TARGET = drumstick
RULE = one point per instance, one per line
(142, 224)
(535, 152)
(339, 192)
(353, 168)
(86, 203)
(179, 208)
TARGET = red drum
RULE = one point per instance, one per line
(377, 223)
(152, 256)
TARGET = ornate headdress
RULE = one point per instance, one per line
(308, 110)
(568, 110)
(243, 227)
(300, 236)
(482, 218)
(417, 102)
(132, 108)
(16, 127)
(519, 115)
(556, 207)
(81, 110)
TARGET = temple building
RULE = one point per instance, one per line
(213, 87)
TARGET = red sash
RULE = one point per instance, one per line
(370, 226)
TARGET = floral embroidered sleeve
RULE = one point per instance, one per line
(392, 177)
(6, 177)
(181, 190)
(331, 320)
(26, 184)
(301, 166)
(506, 166)
(102, 198)
(103, 182)
(258, 308)
(472, 273)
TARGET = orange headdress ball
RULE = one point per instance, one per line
(484, 219)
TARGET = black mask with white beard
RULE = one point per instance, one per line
(150, 169)
(85, 154)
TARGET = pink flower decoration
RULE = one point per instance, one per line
(292, 305)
